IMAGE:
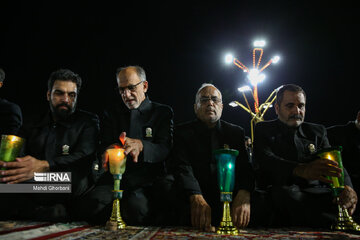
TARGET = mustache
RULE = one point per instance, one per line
(63, 105)
(296, 117)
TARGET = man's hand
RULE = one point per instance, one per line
(22, 169)
(132, 146)
(200, 213)
(318, 170)
(240, 210)
(348, 199)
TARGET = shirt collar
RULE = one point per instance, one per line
(145, 106)
(48, 120)
(203, 127)
(288, 129)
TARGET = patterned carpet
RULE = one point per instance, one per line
(78, 230)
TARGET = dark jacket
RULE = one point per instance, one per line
(193, 162)
(152, 123)
(68, 146)
(278, 149)
(10, 117)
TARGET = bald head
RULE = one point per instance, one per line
(132, 85)
(208, 105)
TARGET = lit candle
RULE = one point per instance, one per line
(117, 160)
(10, 147)
(335, 180)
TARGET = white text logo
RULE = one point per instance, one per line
(52, 177)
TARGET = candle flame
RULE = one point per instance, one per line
(122, 139)
(329, 156)
(14, 139)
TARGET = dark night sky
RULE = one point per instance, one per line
(181, 45)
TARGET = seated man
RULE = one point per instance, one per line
(62, 140)
(10, 113)
(195, 168)
(348, 136)
(147, 129)
(296, 180)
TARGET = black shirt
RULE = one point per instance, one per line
(68, 146)
(278, 149)
(152, 123)
(193, 160)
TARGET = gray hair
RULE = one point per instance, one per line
(139, 71)
(204, 85)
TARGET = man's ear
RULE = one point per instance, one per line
(146, 86)
(277, 108)
(48, 95)
(1, 84)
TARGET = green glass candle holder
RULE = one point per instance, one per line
(10, 147)
(344, 221)
(225, 159)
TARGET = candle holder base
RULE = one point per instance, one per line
(345, 222)
(226, 225)
(115, 222)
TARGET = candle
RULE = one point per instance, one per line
(117, 160)
(10, 147)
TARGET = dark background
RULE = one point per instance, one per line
(181, 45)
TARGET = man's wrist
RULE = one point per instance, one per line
(141, 145)
(45, 167)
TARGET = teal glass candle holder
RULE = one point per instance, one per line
(225, 159)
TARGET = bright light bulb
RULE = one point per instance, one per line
(259, 43)
(255, 77)
(275, 59)
(261, 78)
(229, 58)
(233, 104)
(244, 89)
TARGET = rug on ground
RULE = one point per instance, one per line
(15, 230)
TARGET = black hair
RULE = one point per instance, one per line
(287, 87)
(64, 75)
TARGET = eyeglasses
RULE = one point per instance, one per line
(131, 88)
(204, 100)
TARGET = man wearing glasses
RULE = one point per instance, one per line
(147, 129)
(195, 167)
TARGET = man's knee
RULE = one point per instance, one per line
(135, 207)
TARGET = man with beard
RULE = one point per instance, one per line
(62, 140)
(195, 168)
(10, 113)
(294, 178)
